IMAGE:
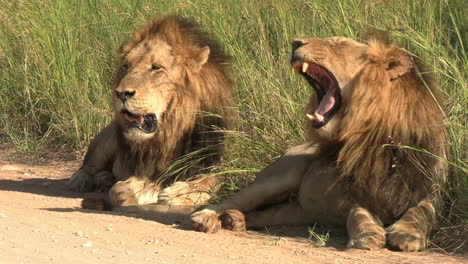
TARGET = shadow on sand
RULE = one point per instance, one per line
(51, 182)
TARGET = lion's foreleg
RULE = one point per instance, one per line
(365, 231)
(251, 197)
(95, 172)
(411, 231)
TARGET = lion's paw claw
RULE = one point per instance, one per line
(405, 240)
(233, 220)
(206, 221)
(81, 181)
(369, 241)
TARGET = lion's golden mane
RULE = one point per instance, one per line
(392, 134)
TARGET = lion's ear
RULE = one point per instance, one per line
(199, 58)
(398, 62)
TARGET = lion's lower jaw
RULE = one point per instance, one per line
(328, 132)
(135, 135)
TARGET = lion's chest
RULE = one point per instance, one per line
(122, 169)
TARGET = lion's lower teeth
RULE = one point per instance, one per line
(318, 117)
(315, 117)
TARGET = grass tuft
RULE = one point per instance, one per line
(317, 239)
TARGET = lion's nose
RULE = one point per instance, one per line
(124, 96)
(297, 43)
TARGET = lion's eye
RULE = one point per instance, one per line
(155, 67)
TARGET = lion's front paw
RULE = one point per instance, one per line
(183, 193)
(233, 220)
(405, 239)
(81, 181)
(206, 221)
(104, 180)
(369, 241)
(122, 194)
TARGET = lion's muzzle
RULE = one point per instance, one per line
(124, 96)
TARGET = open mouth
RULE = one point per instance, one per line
(327, 89)
(146, 123)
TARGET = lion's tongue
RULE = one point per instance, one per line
(327, 103)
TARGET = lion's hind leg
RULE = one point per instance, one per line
(196, 192)
(134, 191)
(281, 177)
(411, 231)
(281, 214)
(365, 231)
(288, 213)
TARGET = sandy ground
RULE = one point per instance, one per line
(41, 222)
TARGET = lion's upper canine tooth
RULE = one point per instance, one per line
(305, 65)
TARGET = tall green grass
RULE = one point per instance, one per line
(57, 60)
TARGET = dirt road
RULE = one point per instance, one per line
(41, 222)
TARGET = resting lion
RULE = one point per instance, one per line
(373, 106)
(172, 97)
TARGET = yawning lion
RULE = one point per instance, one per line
(374, 159)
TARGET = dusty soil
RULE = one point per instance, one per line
(41, 222)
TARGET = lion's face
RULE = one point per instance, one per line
(153, 74)
(329, 65)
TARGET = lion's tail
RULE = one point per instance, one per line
(104, 205)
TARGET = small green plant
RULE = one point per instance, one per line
(272, 239)
(317, 238)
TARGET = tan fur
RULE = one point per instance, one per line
(175, 72)
(356, 171)
(364, 230)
